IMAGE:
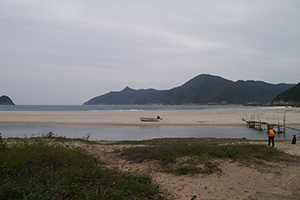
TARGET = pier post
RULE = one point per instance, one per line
(284, 123)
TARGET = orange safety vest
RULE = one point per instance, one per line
(271, 133)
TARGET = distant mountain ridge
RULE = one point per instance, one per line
(202, 89)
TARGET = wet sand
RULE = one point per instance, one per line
(218, 117)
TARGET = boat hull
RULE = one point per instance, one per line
(149, 119)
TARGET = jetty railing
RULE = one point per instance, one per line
(252, 123)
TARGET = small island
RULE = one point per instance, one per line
(5, 100)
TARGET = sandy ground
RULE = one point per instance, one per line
(226, 117)
(236, 181)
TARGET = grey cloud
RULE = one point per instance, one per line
(88, 48)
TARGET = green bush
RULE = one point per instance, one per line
(39, 168)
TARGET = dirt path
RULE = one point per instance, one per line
(236, 181)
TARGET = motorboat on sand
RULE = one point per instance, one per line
(150, 119)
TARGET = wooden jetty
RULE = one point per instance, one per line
(252, 123)
(259, 124)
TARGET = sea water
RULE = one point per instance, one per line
(121, 133)
(115, 107)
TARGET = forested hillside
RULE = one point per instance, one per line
(202, 89)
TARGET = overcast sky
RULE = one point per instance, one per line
(68, 51)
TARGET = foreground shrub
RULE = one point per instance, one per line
(37, 168)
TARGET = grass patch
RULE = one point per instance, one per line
(39, 168)
(202, 154)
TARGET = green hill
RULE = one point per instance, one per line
(290, 97)
(125, 97)
(202, 89)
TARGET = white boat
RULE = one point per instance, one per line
(150, 119)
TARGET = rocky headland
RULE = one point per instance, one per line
(5, 100)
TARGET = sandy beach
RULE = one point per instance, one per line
(208, 117)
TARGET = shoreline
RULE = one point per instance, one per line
(128, 124)
(206, 117)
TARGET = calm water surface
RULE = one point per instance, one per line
(120, 133)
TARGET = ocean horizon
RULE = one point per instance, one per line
(118, 107)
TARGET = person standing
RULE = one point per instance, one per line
(271, 136)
